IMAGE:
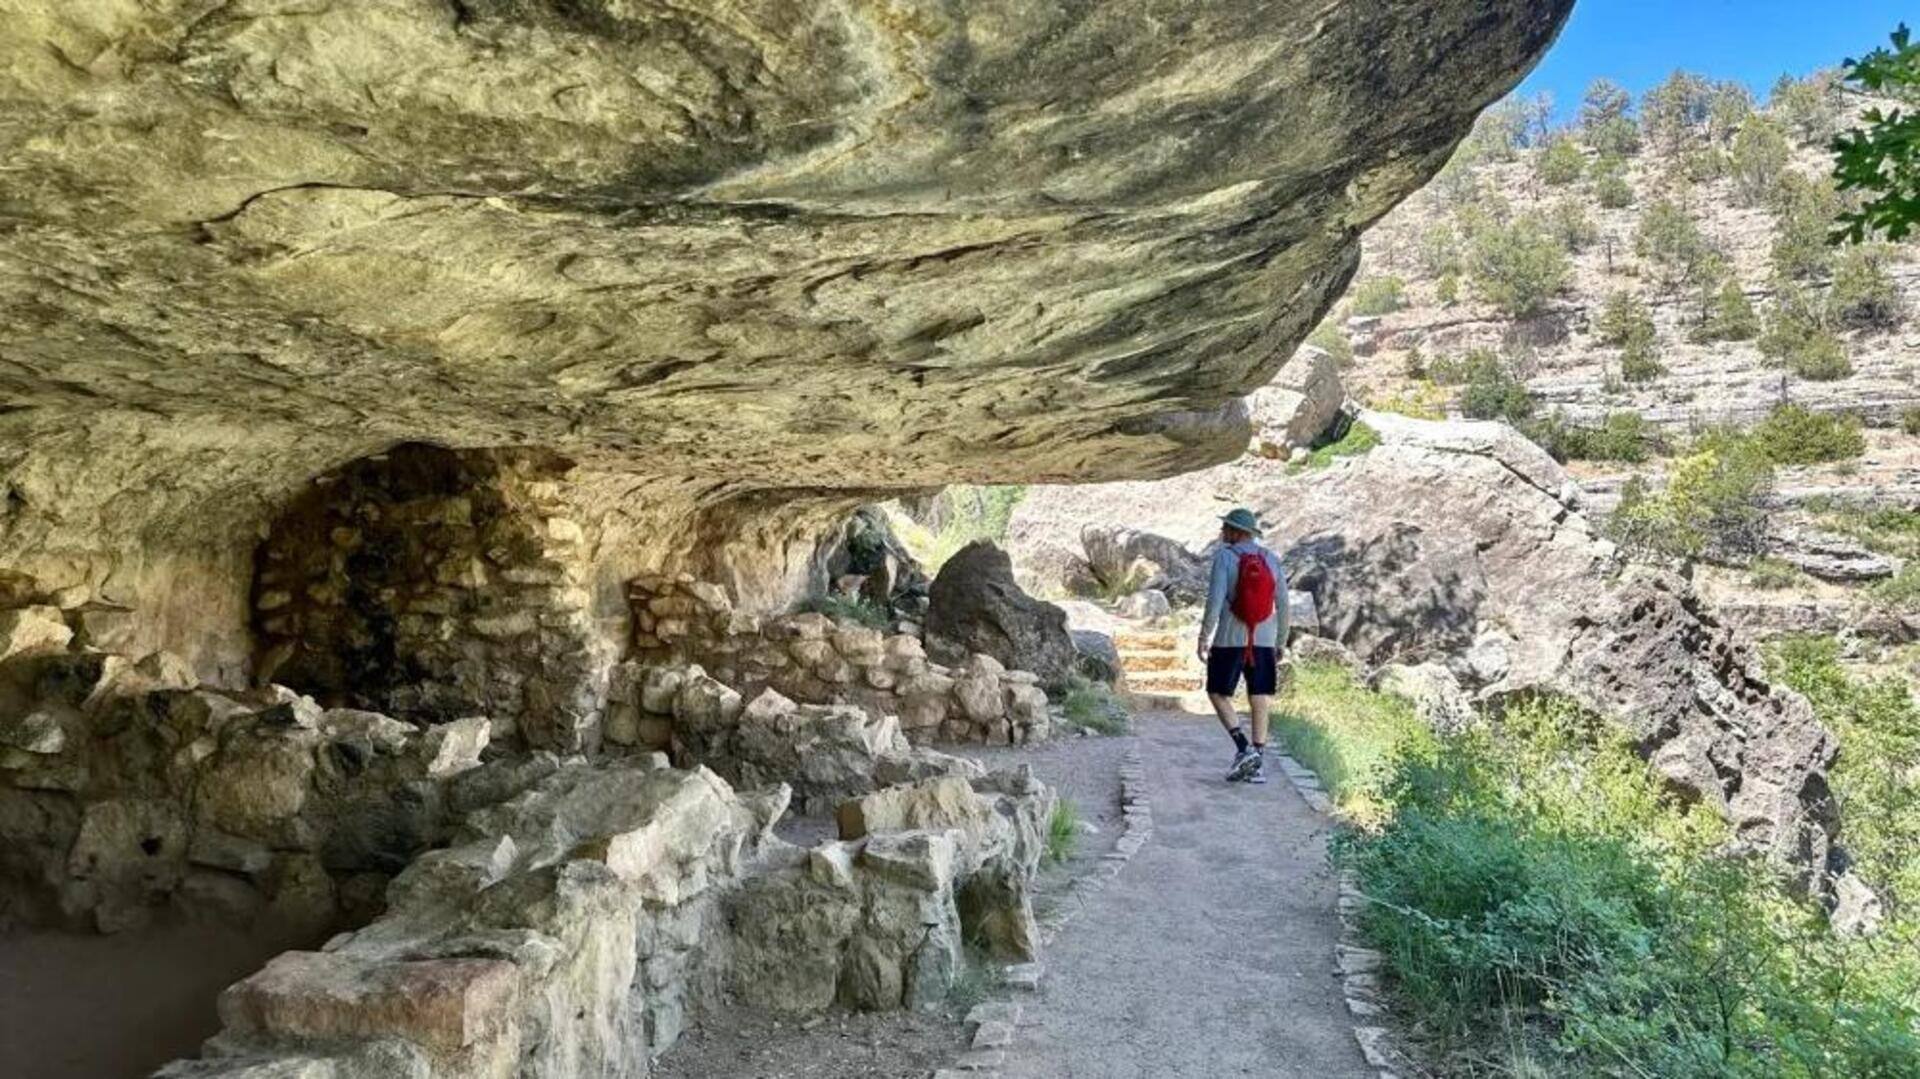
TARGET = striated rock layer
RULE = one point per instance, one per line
(733, 261)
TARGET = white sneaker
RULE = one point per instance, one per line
(1245, 763)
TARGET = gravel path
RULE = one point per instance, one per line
(1212, 953)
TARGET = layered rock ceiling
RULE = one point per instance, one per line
(727, 259)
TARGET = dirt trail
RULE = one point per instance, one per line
(1211, 954)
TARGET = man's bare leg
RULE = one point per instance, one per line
(1262, 707)
(1223, 707)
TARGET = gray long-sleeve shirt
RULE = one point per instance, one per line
(1219, 625)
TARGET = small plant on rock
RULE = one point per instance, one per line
(854, 609)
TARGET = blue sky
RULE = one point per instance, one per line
(1638, 42)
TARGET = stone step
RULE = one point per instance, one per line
(1156, 661)
(1145, 641)
(1167, 682)
(1193, 701)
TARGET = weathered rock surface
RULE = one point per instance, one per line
(1828, 556)
(978, 608)
(749, 253)
(1300, 405)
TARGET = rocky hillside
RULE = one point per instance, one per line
(1632, 287)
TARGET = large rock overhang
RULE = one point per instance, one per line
(709, 251)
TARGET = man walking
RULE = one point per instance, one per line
(1242, 632)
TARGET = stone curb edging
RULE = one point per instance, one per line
(1357, 965)
(996, 1023)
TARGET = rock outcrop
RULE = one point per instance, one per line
(721, 258)
(978, 608)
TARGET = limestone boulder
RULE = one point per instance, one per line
(1300, 405)
(977, 607)
(1124, 558)
(1433, 691)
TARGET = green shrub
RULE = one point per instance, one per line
(1713, 504)
(1760, 154)
(1063, 830)
(1640, 361)
(1093, 705)
(1623, 319)
(1621, 436)
(1571, 225)
(1330, 337)
(1561, 163)
(1350, 736)
(1447, 289)
(1729, 111)
(1863, 292)
(1439, 250)
(1792, 435)
(1797, 337)
(1610, 186)
(849, 609)
(1772, 574)
(1358, 439)
(1537, 884)
(966, 513)
(1517, 265)
(1810, 108)
(1604, 119)
(1910, 421)
(1900, 592)
(1377, 295)
(1671, 243)
(1490, 389)
(1726, 315)
(1805, 215)
(1671, 112)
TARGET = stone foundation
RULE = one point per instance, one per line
(815, 659)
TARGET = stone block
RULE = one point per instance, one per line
(33, 631)
(444, 1004)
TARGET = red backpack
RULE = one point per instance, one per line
(1253, 594)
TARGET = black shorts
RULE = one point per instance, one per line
(1225, 664)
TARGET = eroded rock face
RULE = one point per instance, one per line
(746, 253)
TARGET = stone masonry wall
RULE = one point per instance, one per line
(434, 584)
(815, 659)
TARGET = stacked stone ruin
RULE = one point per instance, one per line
(536, 858)
(813, 658)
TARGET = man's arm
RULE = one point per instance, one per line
(1282, 609)
(1216, 599)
